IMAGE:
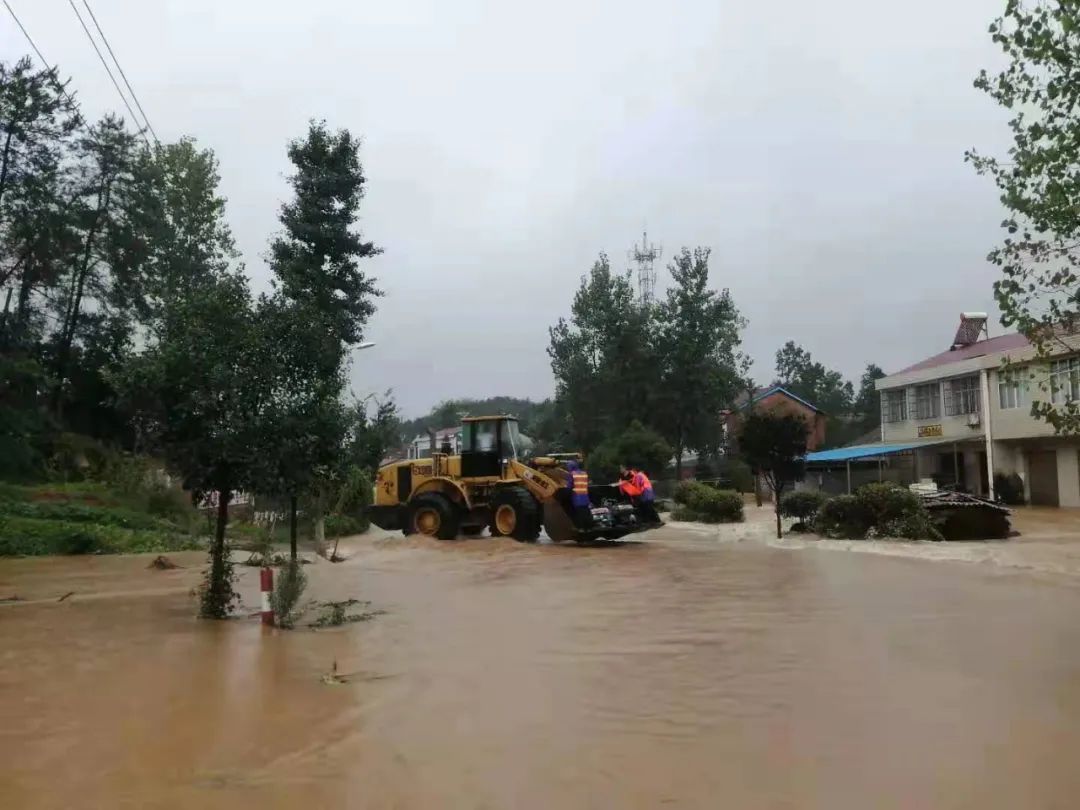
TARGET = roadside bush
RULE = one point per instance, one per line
(888, 502)
(699, 502)
(684, 491)
(844, 516)
(802, 505)
(344, 525)
(877, 510)
(83, 513)
(32, 537)
(288, 589)
(739, 474)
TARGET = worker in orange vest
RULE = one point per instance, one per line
(627, 485)
(645, 502)
(578, 484)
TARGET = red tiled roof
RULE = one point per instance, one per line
(1002, 343)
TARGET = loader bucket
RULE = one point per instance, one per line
(557, 523)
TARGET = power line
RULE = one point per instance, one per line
(26, 34)
(122, 74)
(105, 64)
(44, 61)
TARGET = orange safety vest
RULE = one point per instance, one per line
(579, 480)
(642, 482)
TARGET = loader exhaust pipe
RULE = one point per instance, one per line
(434, 449)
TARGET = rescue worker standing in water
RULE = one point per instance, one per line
(578, 484)
(645, 501)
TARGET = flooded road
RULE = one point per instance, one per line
(677, 672)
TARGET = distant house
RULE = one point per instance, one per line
(420, 446)
(965, 414)
(776, 399)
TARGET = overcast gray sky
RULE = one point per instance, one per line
(817, 148)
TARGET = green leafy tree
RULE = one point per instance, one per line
(173, 228)
(37, 122)
(698, 339)
(797, 371)
(603, 358)
(317, 257)
(201, 388)
(1039, 288)
(775, 448)
(96, 279)
(867, 406)
(323, 300)
(637, 446)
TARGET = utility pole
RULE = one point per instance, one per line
(645, 256)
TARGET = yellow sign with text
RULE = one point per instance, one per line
(929, 431)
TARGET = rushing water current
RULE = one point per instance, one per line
(677, 672)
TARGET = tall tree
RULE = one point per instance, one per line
(106, 153)
(698, 339)
(323, 300)
(38, 119)
(797, 371)
(1039, 288)
(173, 227)
(201, 388)
(603, 359)
(774, 447)
(317, 257)
(867, 405)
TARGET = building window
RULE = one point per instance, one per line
(1009, 395)
(962, 396)
(1065, 380)
(927, 401)
(894, 406)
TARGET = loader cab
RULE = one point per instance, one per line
(487, 443)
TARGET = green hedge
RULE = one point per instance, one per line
(802, 505)
(699, 502)
(876, 510)
(82, 513)
(32, 537)
(344, 525)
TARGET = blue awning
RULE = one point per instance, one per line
(866, 451)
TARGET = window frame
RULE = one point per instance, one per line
(932, 400)
(963, 401)
(1069, 368)
(1011, 387)
(894, 406)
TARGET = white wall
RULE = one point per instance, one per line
(1068, 460)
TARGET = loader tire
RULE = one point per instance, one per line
(515, 513)
(433, 515)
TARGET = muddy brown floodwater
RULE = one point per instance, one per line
(678, 672)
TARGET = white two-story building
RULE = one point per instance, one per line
(967, 413)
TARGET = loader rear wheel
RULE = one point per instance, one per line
(515, 513)
(433, 515)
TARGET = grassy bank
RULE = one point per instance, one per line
(92, 518)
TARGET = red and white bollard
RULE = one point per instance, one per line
(266, 585)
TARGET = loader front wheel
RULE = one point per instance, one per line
(515, 513)
(433, 515)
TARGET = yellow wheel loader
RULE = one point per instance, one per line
(486, 486)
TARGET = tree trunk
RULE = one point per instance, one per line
(757, 489)
(776, 506)
(678, 461)
(67, 335)
(292, 528)
(6, 160)
(219, 595)
(4, 322)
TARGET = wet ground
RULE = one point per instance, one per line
(695, 669)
